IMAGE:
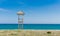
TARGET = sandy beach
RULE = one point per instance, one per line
(30, 33)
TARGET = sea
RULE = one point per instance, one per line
(31, 26)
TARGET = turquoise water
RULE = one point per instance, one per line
(31, 26)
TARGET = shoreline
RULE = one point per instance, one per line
(16, 32)
(30, 29)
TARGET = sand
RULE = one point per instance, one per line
(30, 33)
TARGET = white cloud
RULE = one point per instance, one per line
(5, 10)
(1, 9)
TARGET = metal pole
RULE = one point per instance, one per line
(23, 25)
(22, 22)
(18, 25)
(18, 22)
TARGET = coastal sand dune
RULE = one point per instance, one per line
(30, 33)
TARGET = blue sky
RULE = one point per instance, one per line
(36, 11)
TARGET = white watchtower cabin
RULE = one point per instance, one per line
(20, 19)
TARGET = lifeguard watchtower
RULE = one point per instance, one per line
(20, 19)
